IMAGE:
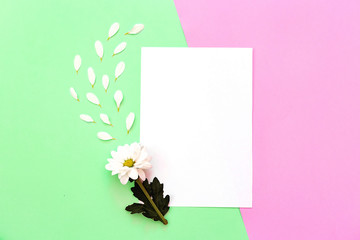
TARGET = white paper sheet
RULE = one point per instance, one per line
(196, 122)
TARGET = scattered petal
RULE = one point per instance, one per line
(119, 69)
(105, 82)
(119, 48)
(118, 97)
(91, 76)
(74, 94)
(113, 30)
(105, 119)
(77, 63)
(104, 136)
(86, 118)
(129, 121)
(93, 99)
(136, 29)
(99, 49)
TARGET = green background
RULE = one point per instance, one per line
(53, 184)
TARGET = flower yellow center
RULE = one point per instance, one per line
(128, 163)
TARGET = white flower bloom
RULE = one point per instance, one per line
(105, 82)
(86, 118)
(74, 94)
(129, 161)
(113, 30)
(99, 49)
(118, 97)
(105, 136)
(105, 119)
(129, 121)
(119, 48)
(77, 63)
(136, 29)
(119, 69)
(91, 76)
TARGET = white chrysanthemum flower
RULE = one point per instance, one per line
(129, 161)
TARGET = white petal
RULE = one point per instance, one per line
(114, 172)
(129, 121)
(124, 171)
(124, 179)
(143, 156)
(105, 82)
(114, 154)
(115, 162)
(118, 97)
(114, 167)
(136, 29)
(145, 165)
(105, 118)
(104, 136)
(141, 174)
(86, 118)
(93, 98)
(133, 174)
(91, 76)
(125, 151)
(113, 30)
(119, 69)
(108, 167)
(77, 63)
(135, 150)
(74, 94)
(119, 48)
(112, 161)
(120, 149)
(99, 49)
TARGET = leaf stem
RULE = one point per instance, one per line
(164, 221)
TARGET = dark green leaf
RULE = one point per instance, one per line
(135, 208)
(147, 187)
(138, 193)
(156, 191)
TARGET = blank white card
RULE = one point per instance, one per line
(196, 122)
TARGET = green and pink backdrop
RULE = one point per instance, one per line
(53, 184)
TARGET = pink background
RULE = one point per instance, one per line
(306, 109)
